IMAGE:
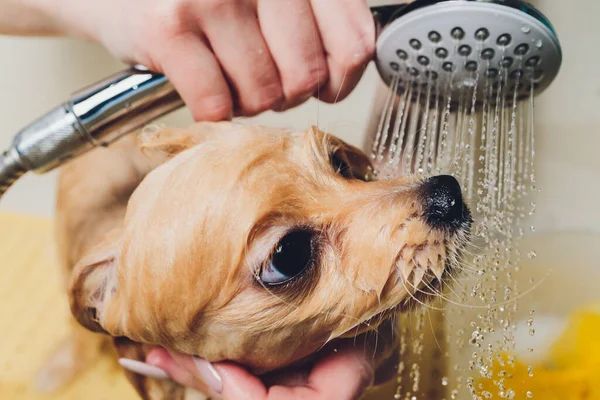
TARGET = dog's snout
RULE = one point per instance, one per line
(443, 201)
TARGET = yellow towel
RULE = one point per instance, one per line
(34, 317)
(570, 370)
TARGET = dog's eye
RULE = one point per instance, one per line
(341, 166)
(293, 254)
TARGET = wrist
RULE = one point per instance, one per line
(25, 18)
(61, 16)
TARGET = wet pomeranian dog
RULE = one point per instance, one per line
(244, 243)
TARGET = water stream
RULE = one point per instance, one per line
(483, 135)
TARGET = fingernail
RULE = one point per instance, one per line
(142, 368)
(209, 374)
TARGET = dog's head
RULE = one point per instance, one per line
(258, 245)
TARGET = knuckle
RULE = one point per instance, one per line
(266, 98)
(213, 108)
(213, 6)
(361, 51)
(304, 81)
(173, 18)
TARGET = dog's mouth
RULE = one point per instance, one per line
(423, 295)
(427, 290)
(423, 285)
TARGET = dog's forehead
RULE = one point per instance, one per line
(239, 176)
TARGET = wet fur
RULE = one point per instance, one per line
(162, 235)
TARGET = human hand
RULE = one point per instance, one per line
(348, 364)
(229, 57)
(357, 362)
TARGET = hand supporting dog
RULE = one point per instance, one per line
(359, 362)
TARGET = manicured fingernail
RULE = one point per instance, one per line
(209, 374)
(143, 369)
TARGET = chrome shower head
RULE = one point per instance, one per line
(460, 43)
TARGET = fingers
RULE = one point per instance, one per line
(191, 67)
(233, 31)
(243, 57)
(238, 383)
(291, 32)
(221, 380)
(161, 359)
(348, 364)
(348, 33)
(351, 365)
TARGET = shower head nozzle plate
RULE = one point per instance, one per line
(458, 43)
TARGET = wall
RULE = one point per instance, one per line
(568, 123)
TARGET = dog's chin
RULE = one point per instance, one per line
(386, 320)
(379, 346)
(298, 372)
(423, 296)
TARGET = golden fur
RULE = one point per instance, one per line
(162, 237)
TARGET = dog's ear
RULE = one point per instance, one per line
(93, 283)
(160, 143)
(326, 144)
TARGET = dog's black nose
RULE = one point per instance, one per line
(443, 201)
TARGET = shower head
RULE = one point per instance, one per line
(453, 44)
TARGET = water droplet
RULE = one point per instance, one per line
(539, 44)
(529, 349)
(525, 29)
(531, 332)
(532, 228)
(532, 254)
(469, 82)
(445, 381)
(529, 395)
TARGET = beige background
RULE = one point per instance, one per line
(39, 73)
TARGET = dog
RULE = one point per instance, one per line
(245, 243)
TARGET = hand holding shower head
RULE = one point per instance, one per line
(417, 43)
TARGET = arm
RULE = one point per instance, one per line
(27, 18)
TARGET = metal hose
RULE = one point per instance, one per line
(10, 170)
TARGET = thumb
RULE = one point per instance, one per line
(221, 380)
(238, 383)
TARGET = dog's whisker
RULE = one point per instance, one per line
(451, 289)
(433, 331)
(415, 298)
(442, 296)
(456, 284)
(427, 284)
